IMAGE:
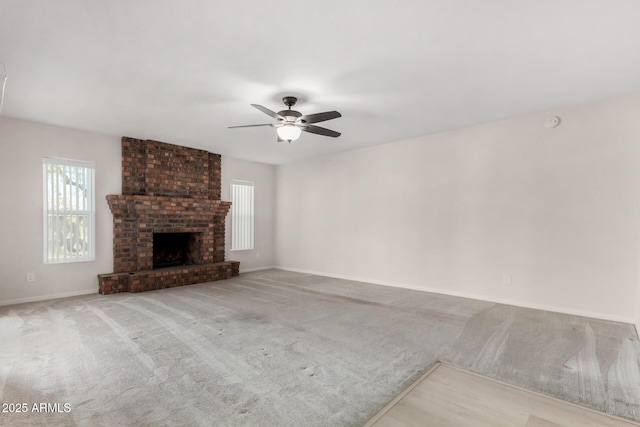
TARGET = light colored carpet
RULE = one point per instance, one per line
(276, 348)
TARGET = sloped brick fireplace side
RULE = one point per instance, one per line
(166, 189)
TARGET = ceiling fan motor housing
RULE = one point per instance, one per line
(289, 115)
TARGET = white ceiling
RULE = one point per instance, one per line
(182, 71)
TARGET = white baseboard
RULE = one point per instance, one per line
(555, 309)
(249, 270)
(86, 292)
(47, 297)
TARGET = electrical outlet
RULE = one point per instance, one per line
(506, 279)
(31, 277)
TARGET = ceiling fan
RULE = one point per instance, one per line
(290, 123)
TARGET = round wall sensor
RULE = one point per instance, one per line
(552, 122)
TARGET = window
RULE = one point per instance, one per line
(241, 215)
(68, 210)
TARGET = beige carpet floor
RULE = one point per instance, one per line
(275, 348)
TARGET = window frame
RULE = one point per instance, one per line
(84, 209)
(238, 242)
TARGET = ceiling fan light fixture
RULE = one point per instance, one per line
(290, 123)
(289, 132)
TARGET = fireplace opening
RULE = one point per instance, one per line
(175, 249)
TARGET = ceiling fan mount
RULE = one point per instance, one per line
(291, 123)
(289, 101)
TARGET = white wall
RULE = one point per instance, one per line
(638, 316)
(638, 311)
(263, 176)
(24, 144)
(556, 209)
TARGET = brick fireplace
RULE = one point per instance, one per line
(169, 222)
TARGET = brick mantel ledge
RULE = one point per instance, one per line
(161, 205)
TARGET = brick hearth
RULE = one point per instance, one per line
(166, 189)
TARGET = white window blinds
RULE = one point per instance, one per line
(69, 207)
(241, 215)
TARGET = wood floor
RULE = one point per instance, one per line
(448, 396)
